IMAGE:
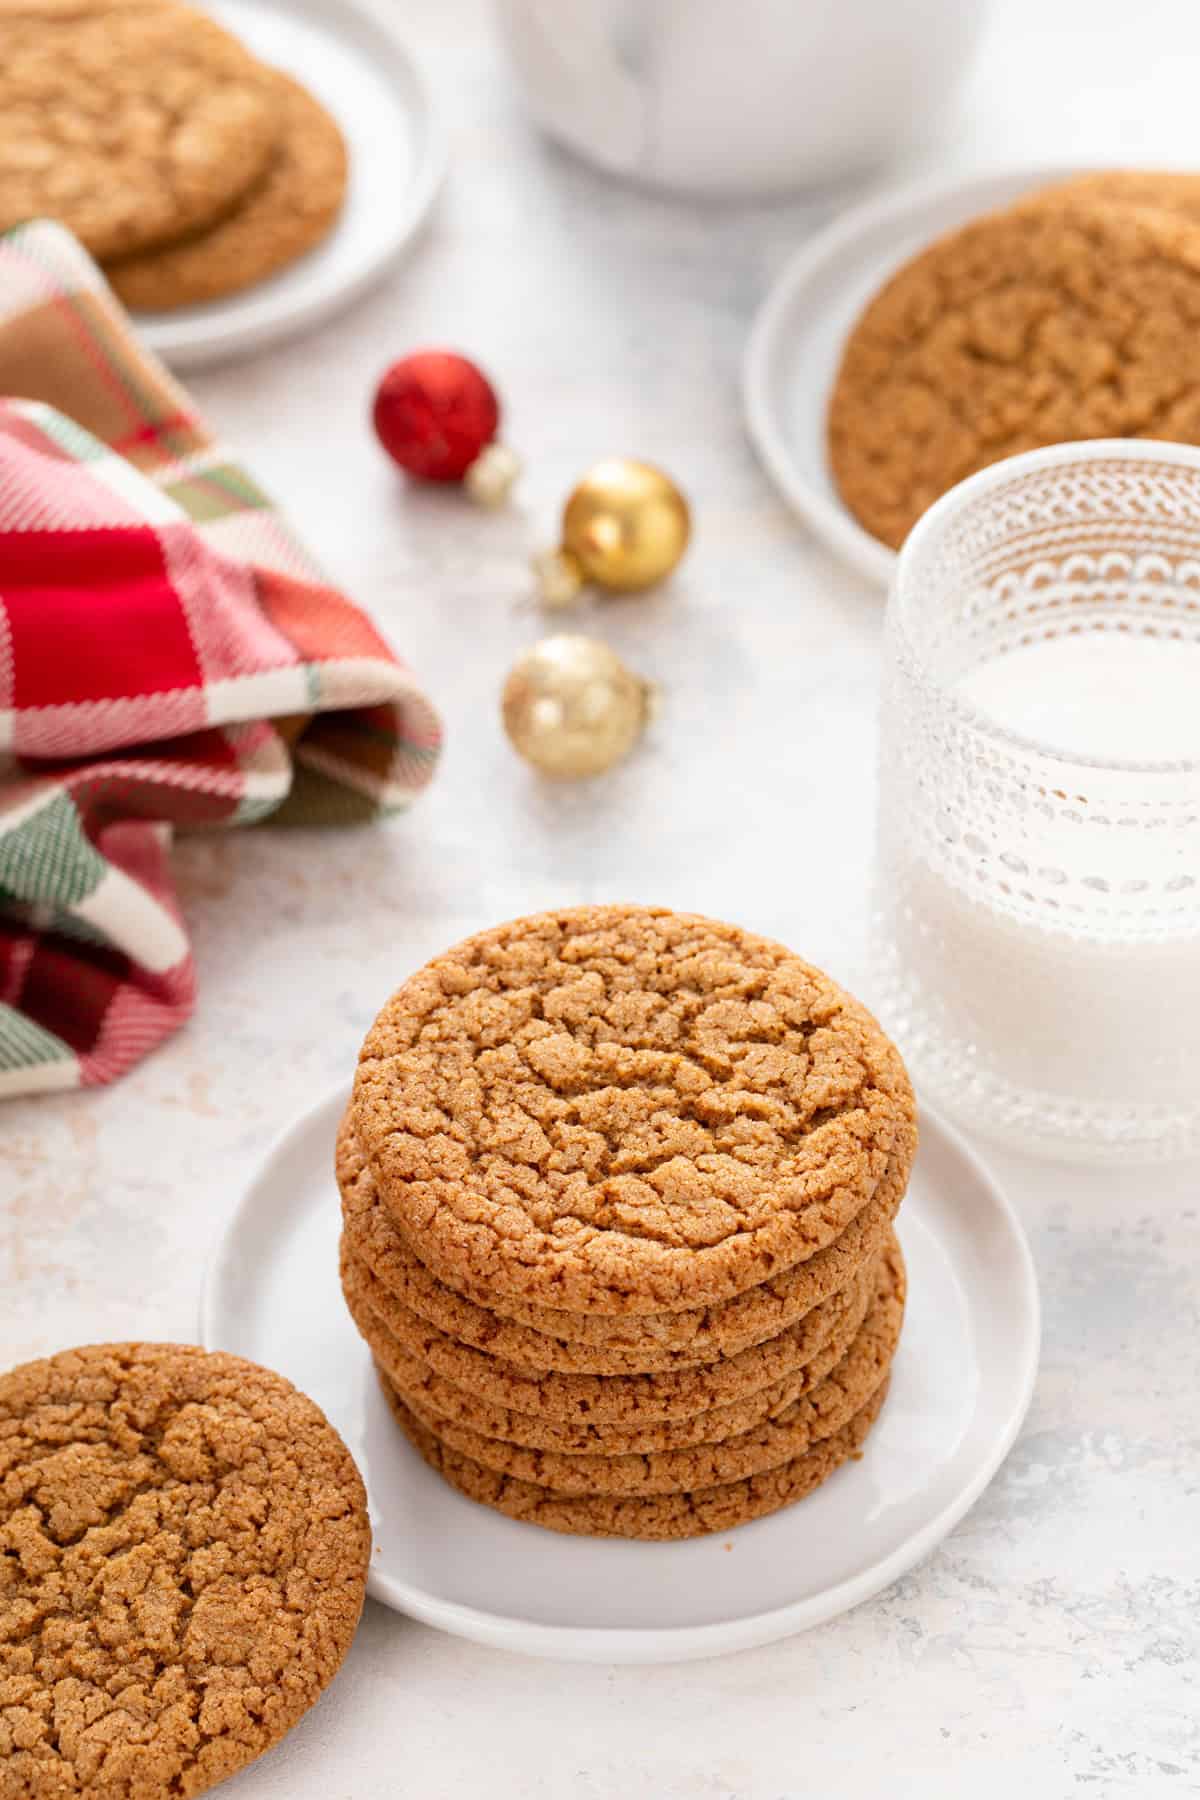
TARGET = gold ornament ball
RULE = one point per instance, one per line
(626, 525)
(572, 708)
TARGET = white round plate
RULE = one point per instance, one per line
(962, 1380)
(370, 84)
(796, 341)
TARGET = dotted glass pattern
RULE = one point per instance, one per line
(1037, 913)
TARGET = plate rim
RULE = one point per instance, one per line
(829, 520)
(632, 1644)
(185, 341)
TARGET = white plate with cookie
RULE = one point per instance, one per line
(798, 336)
(961, 1382)
(363, 77)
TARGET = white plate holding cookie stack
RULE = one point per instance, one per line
(618, 1187)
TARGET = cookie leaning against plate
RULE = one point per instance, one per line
(183, 1558)
(1040, 325)
(287, 212)
(130, 121)
(627, 1343)
(622, 1109)
(657, 1517)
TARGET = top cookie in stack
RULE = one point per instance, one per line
(617, 1188)
(1069, 315)
(186, 166)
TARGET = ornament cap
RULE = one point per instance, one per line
(489, 479)
(559, 578)
(652, 701)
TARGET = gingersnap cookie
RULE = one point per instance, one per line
(817, 1414)
(622, 1344)
(183, 1559)
(287, 212)
(627, 1400)
(622, 1109)
(129, 123)
(433, 1399)
(431, 1396)
(659, 1517)
(810, 1332)
(1047, 323)
(1172, 190)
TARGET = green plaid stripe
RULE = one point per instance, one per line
(154, 398)
(24, 1044)
(48, 858)
(215, 492)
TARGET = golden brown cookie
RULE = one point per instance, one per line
(624, 1344)
(431, 1396)
(128, 122)
(1172, 190)
(286, 213)
(623, 1109)
(659, 1517)
(183, 1558)
(1040, 325)
(845, 1387)
(626, 1400)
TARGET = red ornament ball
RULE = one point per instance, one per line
(434, 412)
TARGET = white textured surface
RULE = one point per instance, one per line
(1049, 1647)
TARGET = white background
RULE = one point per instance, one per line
(1049, 1647)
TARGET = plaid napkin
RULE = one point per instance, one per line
(169, 656)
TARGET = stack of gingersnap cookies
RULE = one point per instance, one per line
(618, 1187)
(187, 167)
(1069, 315)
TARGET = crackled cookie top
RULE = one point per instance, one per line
(622, 1109)
(183, 1558)
(131, 121)
(288, 210)
(1057, 320)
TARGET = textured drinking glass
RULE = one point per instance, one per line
(1037, 903)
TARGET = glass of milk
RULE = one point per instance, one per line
(1037, 896)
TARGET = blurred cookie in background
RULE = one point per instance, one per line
(1070, 315)
(132, 122)
(288, 211)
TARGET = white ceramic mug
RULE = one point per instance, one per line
(736, 96)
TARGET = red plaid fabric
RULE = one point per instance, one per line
(169, 656)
